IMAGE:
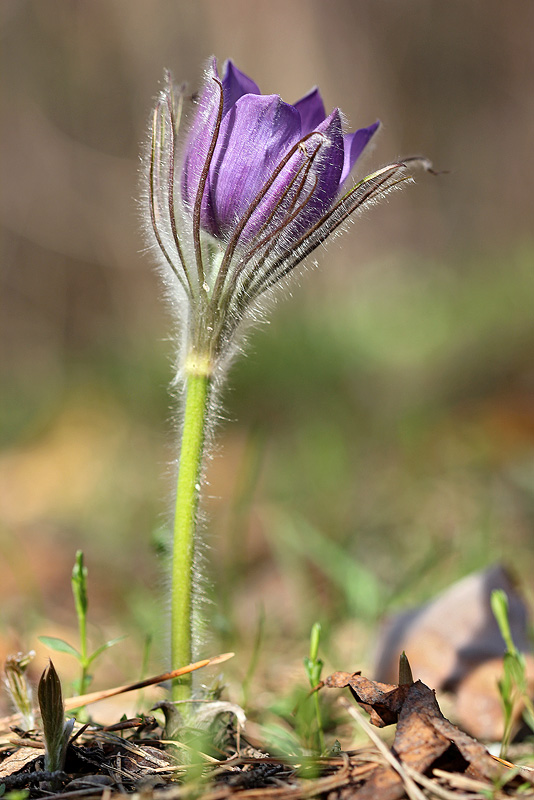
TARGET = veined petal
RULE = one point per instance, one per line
(354, 144)
(235, 85)
(200, 134)
(311, 110)
(255, 135)
(325, 172)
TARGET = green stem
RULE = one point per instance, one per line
(83, 652)
(185, 520)
(319, 721)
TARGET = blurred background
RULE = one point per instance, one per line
(377, 442)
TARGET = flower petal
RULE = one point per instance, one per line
(255, 135)
(325, 173)
(200, 134)
(354, 144)
(235, 85)
(311, 110)
(256, 132)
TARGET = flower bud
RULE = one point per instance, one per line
(253, 187)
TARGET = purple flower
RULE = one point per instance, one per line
(255, 134)
(254, 188)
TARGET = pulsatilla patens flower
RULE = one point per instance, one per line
(243, 196)
(240, 192)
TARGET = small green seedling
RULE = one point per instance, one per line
(314, 666)
(85, 659)
(513, 686)
(56, 730)
(18, 686)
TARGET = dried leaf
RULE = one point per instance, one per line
(22, 758)
(424, 735)
(424, 738)
(382, 701)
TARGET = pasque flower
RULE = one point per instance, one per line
(258, 134)
(252, 189)
(236, 201)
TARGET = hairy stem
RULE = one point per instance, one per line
(185, 521)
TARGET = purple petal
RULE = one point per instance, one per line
(200, 134)
(311, 110)
(325, 173)
(354, 144)
(255, 135)
(235, 85)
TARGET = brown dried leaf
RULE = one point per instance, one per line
(384, 783)
(424, 735)
(424, 738)
(382, 701)
(418, 742)
(19, 760)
